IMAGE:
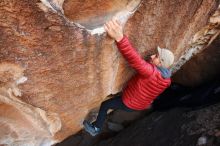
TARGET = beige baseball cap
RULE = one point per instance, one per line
(166, 57)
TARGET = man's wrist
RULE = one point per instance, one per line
(119, 38)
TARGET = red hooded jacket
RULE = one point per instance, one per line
(146, 84)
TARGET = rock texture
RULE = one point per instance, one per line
(176, 127)
(94, 14)
(201, 40)
(21, 123)
(57, 71)
(201, 68)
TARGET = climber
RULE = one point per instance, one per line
(151, 79)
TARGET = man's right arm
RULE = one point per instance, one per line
(115, 31)
(133, 57)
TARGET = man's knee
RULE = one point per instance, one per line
(105, 105)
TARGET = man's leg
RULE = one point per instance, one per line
(113, 103)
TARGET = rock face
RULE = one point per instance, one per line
(176, 127)
(22, 123)
(55, 68)
(201, 68)
(94, 14)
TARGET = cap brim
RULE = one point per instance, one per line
(159, 51)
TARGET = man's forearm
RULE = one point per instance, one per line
(133, 57)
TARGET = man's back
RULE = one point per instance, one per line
(141, 91)
(147, 84)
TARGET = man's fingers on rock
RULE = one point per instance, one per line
(111, 24)
(108, 25)
(116, 24)
(105, 27)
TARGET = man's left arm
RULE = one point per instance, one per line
(115, 31)
(134, 58)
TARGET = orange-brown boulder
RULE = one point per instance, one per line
(56, 62)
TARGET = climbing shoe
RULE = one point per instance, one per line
(90, 128)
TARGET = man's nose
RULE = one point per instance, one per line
(152, 56)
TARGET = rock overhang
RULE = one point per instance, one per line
(91, 15)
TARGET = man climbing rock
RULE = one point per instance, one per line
(151, 79)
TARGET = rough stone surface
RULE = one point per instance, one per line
(201, 68)
(201, 40)
(21, 123)
(175, 127)
(92, 13)
(67, 71)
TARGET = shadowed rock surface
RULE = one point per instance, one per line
(201, 68)
(176, 127)
(180, 116)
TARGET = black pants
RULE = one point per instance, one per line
(112, 103)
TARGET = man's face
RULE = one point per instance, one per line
(154, 59)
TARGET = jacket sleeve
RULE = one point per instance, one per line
(133, 58)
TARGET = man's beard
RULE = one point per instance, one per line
(149, 59)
